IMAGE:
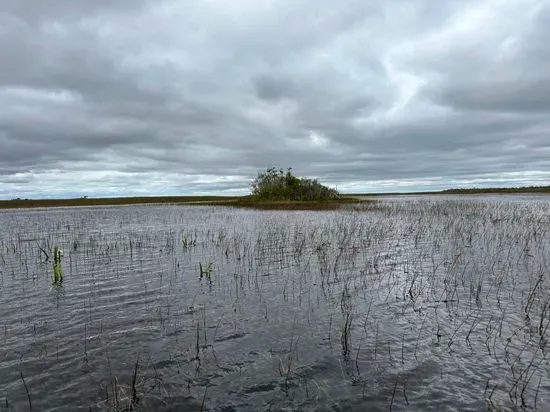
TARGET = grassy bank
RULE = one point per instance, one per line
(503, 190)
(110, 201)
(250, 202)
(243, 201)
(468, 191)
(253, 203)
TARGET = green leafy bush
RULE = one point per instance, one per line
(280, 184)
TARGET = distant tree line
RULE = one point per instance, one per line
(280, 184)
(523, 189)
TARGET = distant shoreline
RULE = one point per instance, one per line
(245, 201)
(469, 191)
(112, 201)
(235, 201)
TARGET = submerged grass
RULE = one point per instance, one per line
(206, 270)
(57, 270)
(413, 294)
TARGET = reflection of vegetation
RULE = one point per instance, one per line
(57, 270)
(279, 184)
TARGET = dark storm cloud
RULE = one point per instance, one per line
(273, 90)
(126, 97)
(507, 95)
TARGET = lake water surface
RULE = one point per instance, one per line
(425, 303)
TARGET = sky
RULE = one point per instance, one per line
(167, 97)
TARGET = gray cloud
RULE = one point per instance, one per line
(148, 97)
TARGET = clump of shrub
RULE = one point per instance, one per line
(280, 184)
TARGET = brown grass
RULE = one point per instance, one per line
(244, 202)
(251, 203)
(30, 203)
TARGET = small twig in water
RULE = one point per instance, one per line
(135, 398)
(26, 389)
(393, 393)
(204, 398)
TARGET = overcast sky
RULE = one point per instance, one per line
(153, 97)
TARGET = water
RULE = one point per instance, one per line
(429, 304)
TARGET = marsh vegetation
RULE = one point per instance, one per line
(417, 305)
(279, 184)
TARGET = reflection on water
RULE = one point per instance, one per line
(434, 303)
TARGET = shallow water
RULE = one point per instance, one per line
(430, 304)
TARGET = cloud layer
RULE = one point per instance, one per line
(177, 97)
